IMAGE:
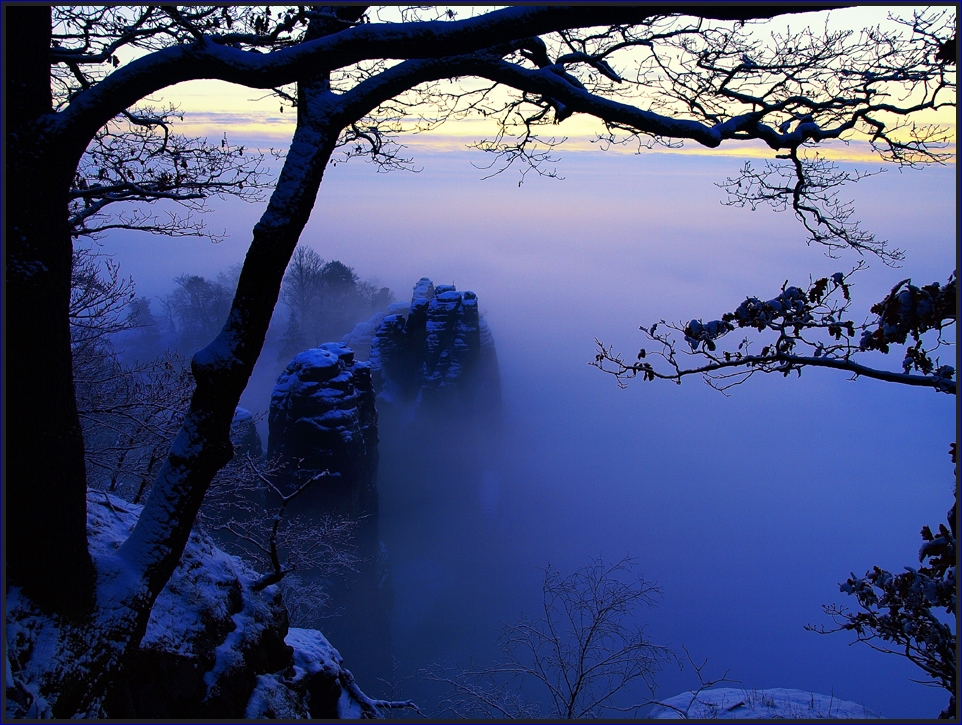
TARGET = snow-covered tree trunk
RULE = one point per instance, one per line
(223, 368)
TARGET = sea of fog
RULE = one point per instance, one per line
(746, 510)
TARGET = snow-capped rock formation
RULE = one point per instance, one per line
(214, 648)
(729, 703)
(439, 357)
(322, 418)
(244, 435)
(362, 336)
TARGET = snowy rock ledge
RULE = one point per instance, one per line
(213, 648)
(729, 703)
(323, 418)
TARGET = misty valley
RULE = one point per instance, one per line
(370, 499)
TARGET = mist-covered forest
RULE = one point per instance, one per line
(287, 436)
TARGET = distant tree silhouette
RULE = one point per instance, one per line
(143, 341)
(583, 654)
(196, 309)
(302, 281)
(325, 300)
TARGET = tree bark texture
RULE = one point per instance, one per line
(45, 478)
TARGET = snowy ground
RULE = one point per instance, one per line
(207, 623)
(729, 703)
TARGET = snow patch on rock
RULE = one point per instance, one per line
(213, 648)
(729, 703)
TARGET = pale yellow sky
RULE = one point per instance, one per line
(212, 108)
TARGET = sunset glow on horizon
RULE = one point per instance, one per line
(214, 108)
(259, 118)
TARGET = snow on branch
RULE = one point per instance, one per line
(805, 328)
(910, 614)
(647, 75)
(370, 707)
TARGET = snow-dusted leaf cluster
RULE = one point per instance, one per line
(912, 613)
(799, 328)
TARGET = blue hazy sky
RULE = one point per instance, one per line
(747, 510)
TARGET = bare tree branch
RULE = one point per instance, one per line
(136, 160)
(704, 683)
